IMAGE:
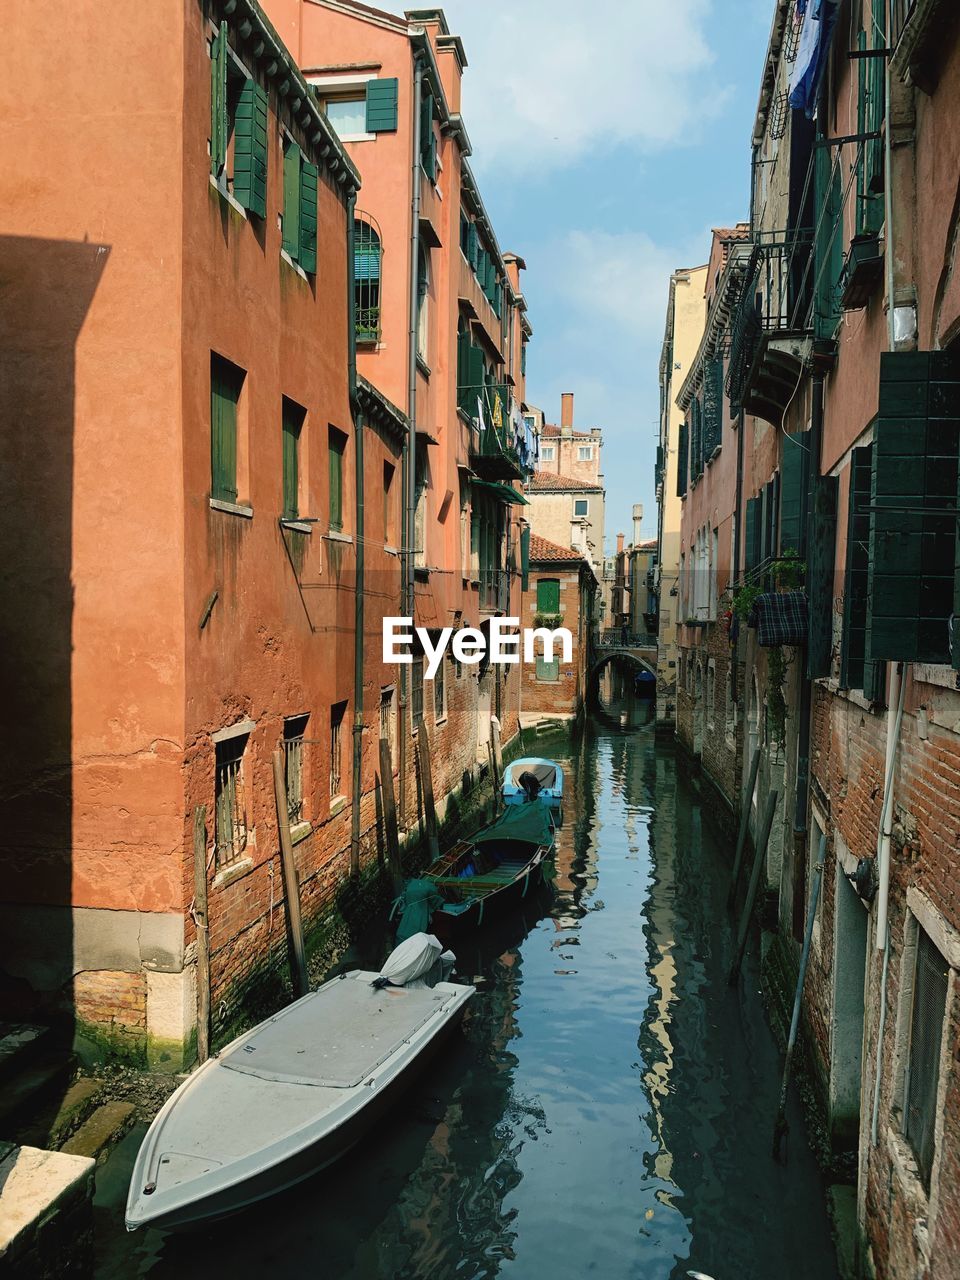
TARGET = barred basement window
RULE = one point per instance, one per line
(387, 716)
(439, 694)
(416, 693)
(337, 713)
(791, 42)
(294, 728)
(230, 801)
(923, 1060)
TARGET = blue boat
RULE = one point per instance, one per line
(533, 778)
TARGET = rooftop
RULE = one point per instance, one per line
(547, 482)
(543, 549)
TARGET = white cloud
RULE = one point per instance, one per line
(550, 80)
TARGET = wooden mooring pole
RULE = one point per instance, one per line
(426, 782)
(203, 932)
(391, 831)
(496, 757)
(744, 826)
(291, 883)
(758, 859)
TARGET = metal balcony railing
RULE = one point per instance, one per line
(614, 638)
(503, 438)
(776, 298)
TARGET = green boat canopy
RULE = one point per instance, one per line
(530, 822)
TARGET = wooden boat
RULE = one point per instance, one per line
(492, 871)
(546, 784)
(287, 1098)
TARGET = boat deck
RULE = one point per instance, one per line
(502, 875)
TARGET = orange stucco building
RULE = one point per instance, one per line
(205, 446)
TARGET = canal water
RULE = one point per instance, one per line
(608, 1108)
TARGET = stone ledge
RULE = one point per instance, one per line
(46, 1213)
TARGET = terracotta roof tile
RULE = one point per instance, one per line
(542, 549)
(547, 482)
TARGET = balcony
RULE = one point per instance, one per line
(771, 331)
(475, 304)
(499, 450)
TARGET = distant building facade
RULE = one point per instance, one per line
(561, 591)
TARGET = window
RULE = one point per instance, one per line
(299, 207)
(923, 1058)
(423, 308)
(348, 116)
(421, 483)
(416, 692)
(585, 453)
(294, 728)
(337, 716)
(238, 129)
(548, 595)
(388, 717)
(581, 507)
(230, 803)
(711, 692)
(367, 254)
(548, 672)
(428, 139)
(336, 447)
(292, 419)
(439, 693)
(548, 452)
(389, 505)
(226, 383)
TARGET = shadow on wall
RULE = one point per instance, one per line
(46, 289)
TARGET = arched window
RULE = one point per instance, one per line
(367, 260)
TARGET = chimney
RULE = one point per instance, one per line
(637, 522)
(566, 413)
(619, 543)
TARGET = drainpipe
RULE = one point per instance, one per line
(738, 515)
(897, 683)
(409, 462)
(360, 585)
(806, 681)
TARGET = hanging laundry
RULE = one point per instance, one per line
(819, 17)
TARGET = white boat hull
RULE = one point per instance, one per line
(286, 1099)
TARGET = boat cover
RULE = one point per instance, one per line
(528, 822)
(544, 772)
(414, 957)
(337, 1036)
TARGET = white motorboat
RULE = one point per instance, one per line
(294, 1094)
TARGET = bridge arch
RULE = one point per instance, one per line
(625, 655)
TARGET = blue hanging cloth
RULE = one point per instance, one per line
(819, 17)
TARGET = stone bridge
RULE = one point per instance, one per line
(641, 650)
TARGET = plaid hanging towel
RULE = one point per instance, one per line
(781, 618)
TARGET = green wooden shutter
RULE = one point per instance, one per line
(548, 671)
(525, 558)
(382, 105)
(682, 451)
(750, 557)
(250, 149)
(218, 101)
(224, 391)
(335, 450)
(912, 572)
(428, 141)
(291, 425)
(548, 595)
(291, 200)
(821, 563)
(794, 470)
(875, 111)
(473, 245)
(308, 217)
(853, 636)
(829, 243)
(476, 377)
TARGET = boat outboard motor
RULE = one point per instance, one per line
(413, 959)
(529, 783)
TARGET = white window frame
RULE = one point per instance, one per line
(584, 452)
(548, 453)
(581, 515)
(339, 87)
(921, 913)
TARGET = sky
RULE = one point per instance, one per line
(608, 138)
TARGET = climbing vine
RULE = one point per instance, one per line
(776, 697)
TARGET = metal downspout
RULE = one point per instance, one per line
(806, 681)
(897, 684)
(409, 463)
(359, 586)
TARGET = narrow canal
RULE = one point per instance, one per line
(608, 1108)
